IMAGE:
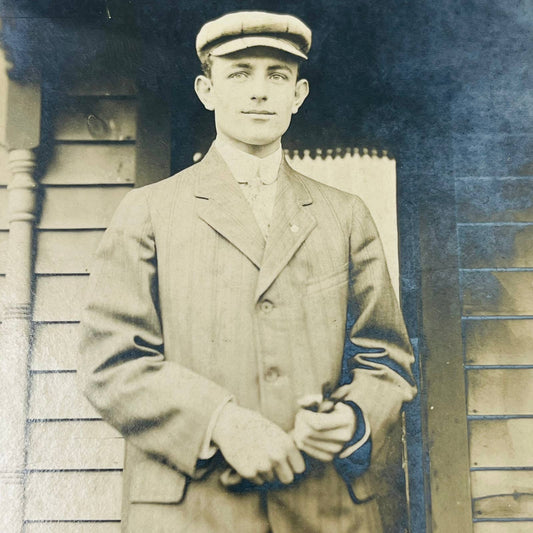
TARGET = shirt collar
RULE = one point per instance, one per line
(245, 166)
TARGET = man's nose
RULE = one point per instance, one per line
(259, 90)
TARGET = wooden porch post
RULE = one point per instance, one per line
(19, 132)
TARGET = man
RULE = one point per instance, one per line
(214, 334)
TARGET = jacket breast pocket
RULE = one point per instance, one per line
(154, 482)
(337, 278)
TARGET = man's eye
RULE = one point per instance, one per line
(237, 75)
(276, 76)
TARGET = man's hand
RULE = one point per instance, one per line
(256, 448)
(323, 435)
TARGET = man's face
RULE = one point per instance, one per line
(253, 93)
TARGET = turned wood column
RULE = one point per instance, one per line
(16, 337)
(20, 118)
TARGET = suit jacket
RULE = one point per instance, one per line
(188, 306)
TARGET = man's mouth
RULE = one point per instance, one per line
(258, 112)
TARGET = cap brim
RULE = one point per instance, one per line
(241, 43)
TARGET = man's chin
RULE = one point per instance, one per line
(260, 140)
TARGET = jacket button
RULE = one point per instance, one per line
(271, 374)
(266, 306)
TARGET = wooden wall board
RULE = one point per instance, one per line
(506, 199)
(5, 173)
(497, 293)
(4, 224)
(74, 445)
(57, 396)
(500, 392)
(73, 207)
(496, 245)
(59, 298)
(72, 527)
(502, 493)
(501, 443)
(3, 294)
(73, 496)
(79, 207)
(65, 252)
(109, 163)
(503, 527)
(447, 475)
(515, 505)
(3, 251)
(55, 346)
(498, 342)
(87, 118)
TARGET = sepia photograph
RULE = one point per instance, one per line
(266, 267)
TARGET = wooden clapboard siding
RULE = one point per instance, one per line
(3, 250)
(497, 292)
(501, 443)
(502, 494)
(109, 163)
(57, 396)
(496, 245)
(74, 459)
(490, 482)
(80, 207)
(74, 445)
(66, 252)
(3, 208)
(2, 288)
(495, 199)
(503, 527)
(496, 259)
(59, 298)
(501, 391)
(5, 173)
(498, 342)
(96, 118)
(55, 346)
(73, 207)
(72, 527)
(73, 495)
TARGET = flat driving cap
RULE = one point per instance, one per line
(244, 29)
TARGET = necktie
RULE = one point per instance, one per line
(260, 195)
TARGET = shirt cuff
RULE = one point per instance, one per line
(208, 449)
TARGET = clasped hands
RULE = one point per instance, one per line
(260, 451)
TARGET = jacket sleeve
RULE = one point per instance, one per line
(158, 405)
(380, 356)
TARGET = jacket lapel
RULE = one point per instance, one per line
(222, 205)
(291, 225)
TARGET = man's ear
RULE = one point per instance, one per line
(204, 90)
(300, 94)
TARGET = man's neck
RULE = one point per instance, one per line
(252, 149)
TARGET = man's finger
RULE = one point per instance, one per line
(296, 461)
(339, 436)
(324, 421)
(326, 446)
(284, 472)
(340, 417)
(321, 455)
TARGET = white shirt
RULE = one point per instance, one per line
(257, 179)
